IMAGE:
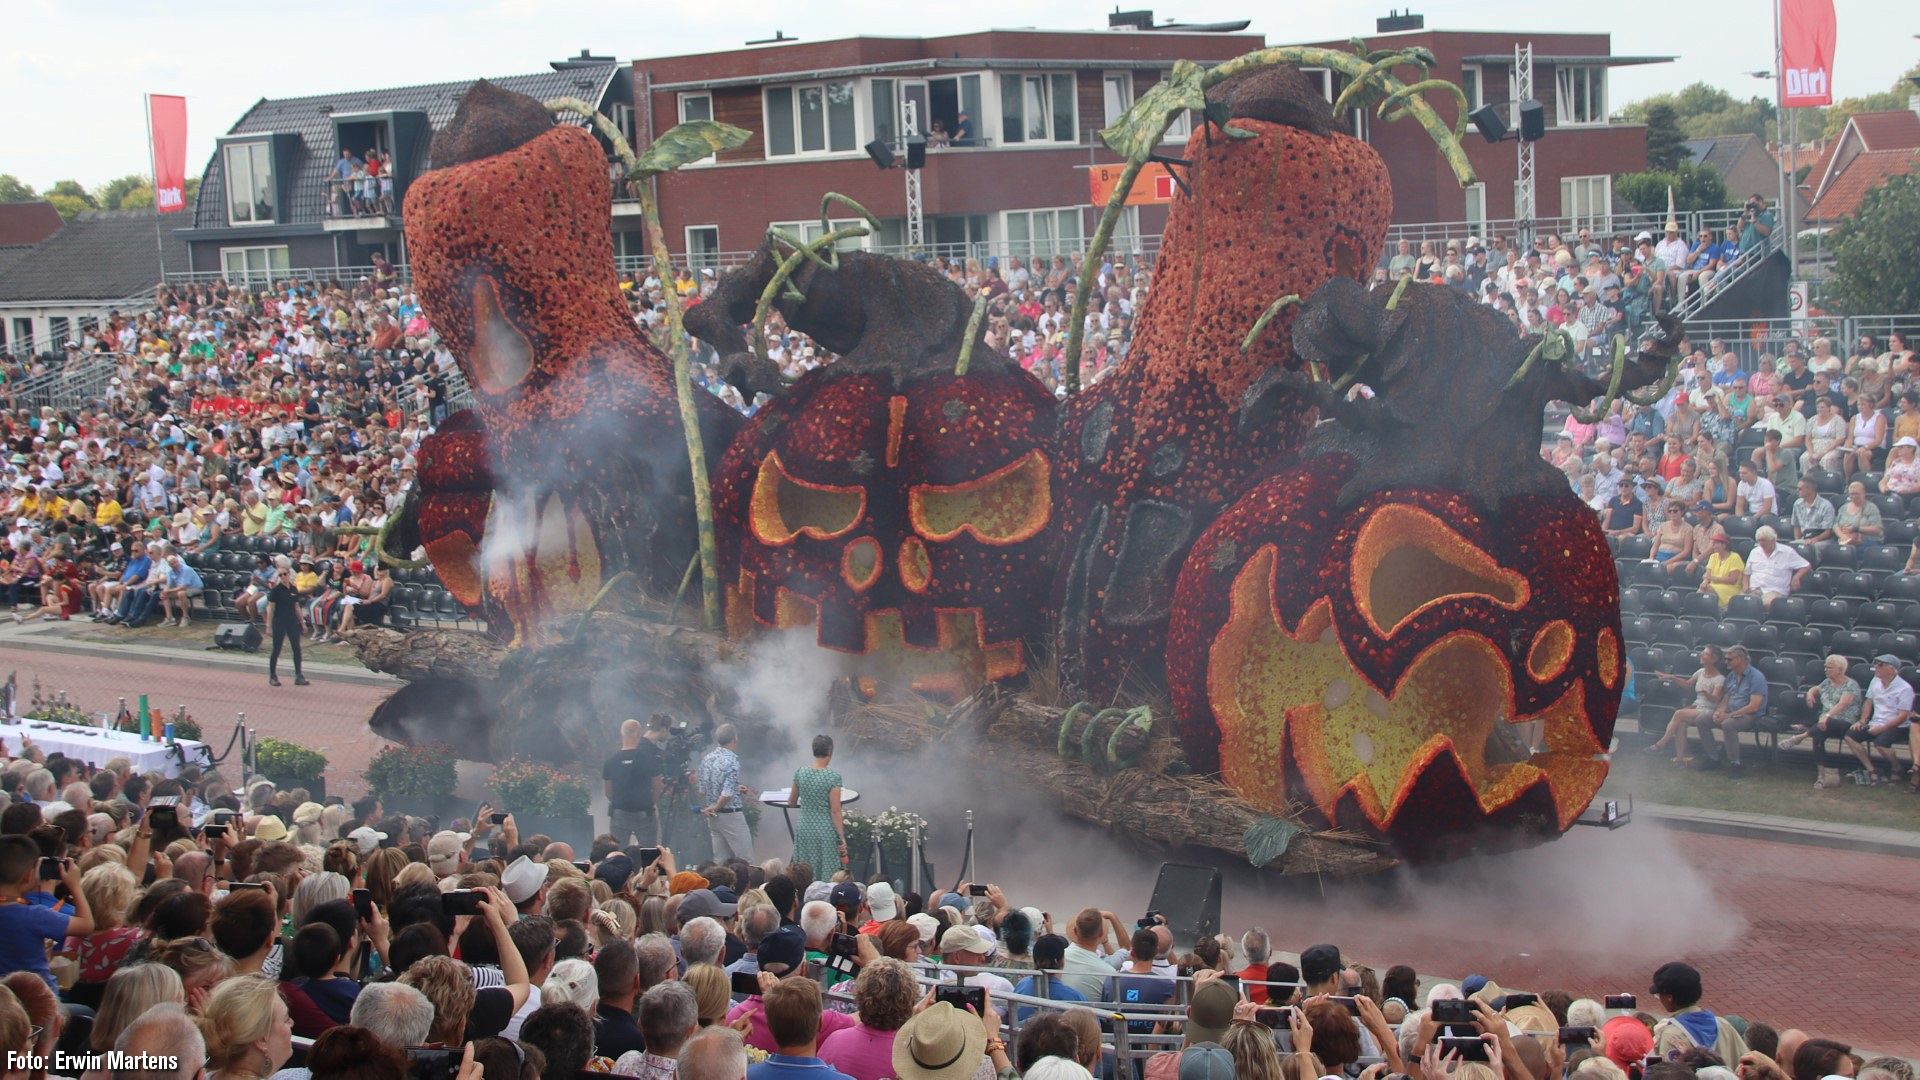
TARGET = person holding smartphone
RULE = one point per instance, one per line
(26, 928)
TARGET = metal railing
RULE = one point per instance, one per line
(1691, 222)
(344, 200)
(1750, 339)
(346, 275)
(69, 386)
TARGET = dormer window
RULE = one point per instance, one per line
(250, 190)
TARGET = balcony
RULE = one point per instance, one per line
(360, 205)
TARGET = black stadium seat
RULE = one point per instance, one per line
(1744, 608)
(1779, 670)
(1658, 604)
(1883, 559)
(1830, 614)
(1891, 506)
(1759, 639)
(1861, 673)
(1629, 602)
(1674, 632)
(1817, 583)
(1813, 670)
(1701, 605)
(1724, 635)
(1879, 615)
(1838, 557)
(1786, 611)
(1803, 642)
(1901, 589)
(1825, 480)
(1904, 646)
(1635, 547)
(1739, 529)
(1637, 629)
(1855, 586)
(1853, 644)
(1898, 533)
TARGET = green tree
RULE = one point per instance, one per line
(140, 198)
(14, 189)
(1874, 272)
(68, 205)
(1695, 187)
(72, 189)
(1887, 100)
(112, 195)
(1705, 111)
(1666, 150)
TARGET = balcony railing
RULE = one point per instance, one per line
(368, 199)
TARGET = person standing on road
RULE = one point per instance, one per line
(720, 797)
(283, 603)
(634, 782)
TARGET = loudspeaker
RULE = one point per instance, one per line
(1533, 121)
(881, 153)
(240, 636)
(1489, 123)
(1188, 897)
(916, 152)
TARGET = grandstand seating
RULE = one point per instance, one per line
(418, 595)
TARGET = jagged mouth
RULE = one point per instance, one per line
(1346, 254)
(1295, 695)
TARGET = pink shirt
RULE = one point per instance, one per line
(760, 1037)
(860, 1052)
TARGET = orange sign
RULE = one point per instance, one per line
(1155, 184)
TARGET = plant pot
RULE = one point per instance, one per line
(440, 809)
(573, 829)
(316, 785)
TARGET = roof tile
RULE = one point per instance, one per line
(101, 255)
(1864, 173)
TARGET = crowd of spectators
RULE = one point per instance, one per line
(286, 414)
(267, 935)
(1763, 488)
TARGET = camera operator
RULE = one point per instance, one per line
(634, 780)
(1756, 223)
(720, 791)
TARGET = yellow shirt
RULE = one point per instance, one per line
(307, 581)
(108, 513)
(254, 519)
(1728, 565)
(30, 506)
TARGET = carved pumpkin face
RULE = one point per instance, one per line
(1413, 667)
(905, 519)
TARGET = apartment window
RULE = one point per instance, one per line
(249, 184)
(885, 110)
(1470, 86)
(1118, 88)
(1476, 205)
(254, 263)
(697, 107)
(809, 231)
(814, 118)
(1043, 233)
(1182, 125)
(1036, 108)
(1582, 97)
(703, 245)
(1587, 199)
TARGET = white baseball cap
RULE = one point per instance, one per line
(368, 838)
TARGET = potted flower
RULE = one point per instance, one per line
(859, 844)
(416, 780)
(893, 830)
(543, 799)
(290, 765)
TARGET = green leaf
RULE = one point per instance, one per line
(1139, 131)
(1268, 839)
(686, 143)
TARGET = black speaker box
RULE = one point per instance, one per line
(1533, 121)
(916, 152)
(881, 153)
(1188, 897)
(241, 636)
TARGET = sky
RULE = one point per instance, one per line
(73, 72)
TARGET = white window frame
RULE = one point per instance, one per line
(1478, 96)
(809, 231)
(226, 161)
(1108, 80)
(680, 110)
(1599, 213)
(1475, 192)
(1325, 75)
(1055, 243)
(284, 266)
(855, 86)
(1580, 95)
(1046, 81)
(687, 240)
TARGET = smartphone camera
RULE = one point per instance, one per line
(49, 869)
(649, 856)
(963, 997)
(976, 890)
(1469, 1049)
(363, 903)
(497, 817)
(460, 902)
(1621, 1001)
(1576, 1036)
(744, 984)
(1267, 1016)
(1452, 1011)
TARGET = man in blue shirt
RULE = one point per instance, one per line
(183, 584)
(112, 593)
(1049, 955)
(1742, 704)
(720, 803)
(1756, 223)
(26, 928)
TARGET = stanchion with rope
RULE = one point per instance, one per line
(966, 859)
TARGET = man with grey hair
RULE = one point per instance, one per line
(756, 922)
(164, 1031)
(702, 941)
(39, 786)
(1743, 701)
(1257, 948)
(668, 1016)
(716, 1053)
(396, 1014)
(718, 779)
(653, 961)
(818, 920)
(1774, 570)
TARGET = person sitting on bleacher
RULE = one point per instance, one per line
(1725, 570)
(1812, 515)
(1773, 569)
(1858, 522)
(1836, 703)
(1884, 723)
(182, 585)
(1741, 705)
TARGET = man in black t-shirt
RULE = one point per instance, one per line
(633, 781)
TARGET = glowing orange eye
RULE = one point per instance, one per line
(1006, 506)
(501, 356)
(784, 507)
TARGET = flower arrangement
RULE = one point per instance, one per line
(892, 829)
(284, 762)
(531, 787)
(412, 770)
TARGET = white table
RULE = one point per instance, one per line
(778, 797)
(96, 747)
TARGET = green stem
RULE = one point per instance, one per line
(689, 410)
(781, 273)
(1613, 384)
(600, 124)
(380, 544)
(1090, 266)
(1398, 291)
(1359, 85)
(1400, 96)
(1643, 398)
(686, 579)
(832, 197)
(1526, 366)
(973, 331)
(600, 597)
(1260, 324)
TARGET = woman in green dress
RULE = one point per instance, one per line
(820, 840)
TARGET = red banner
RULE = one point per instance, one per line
(167, 129)
(1806, 53)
